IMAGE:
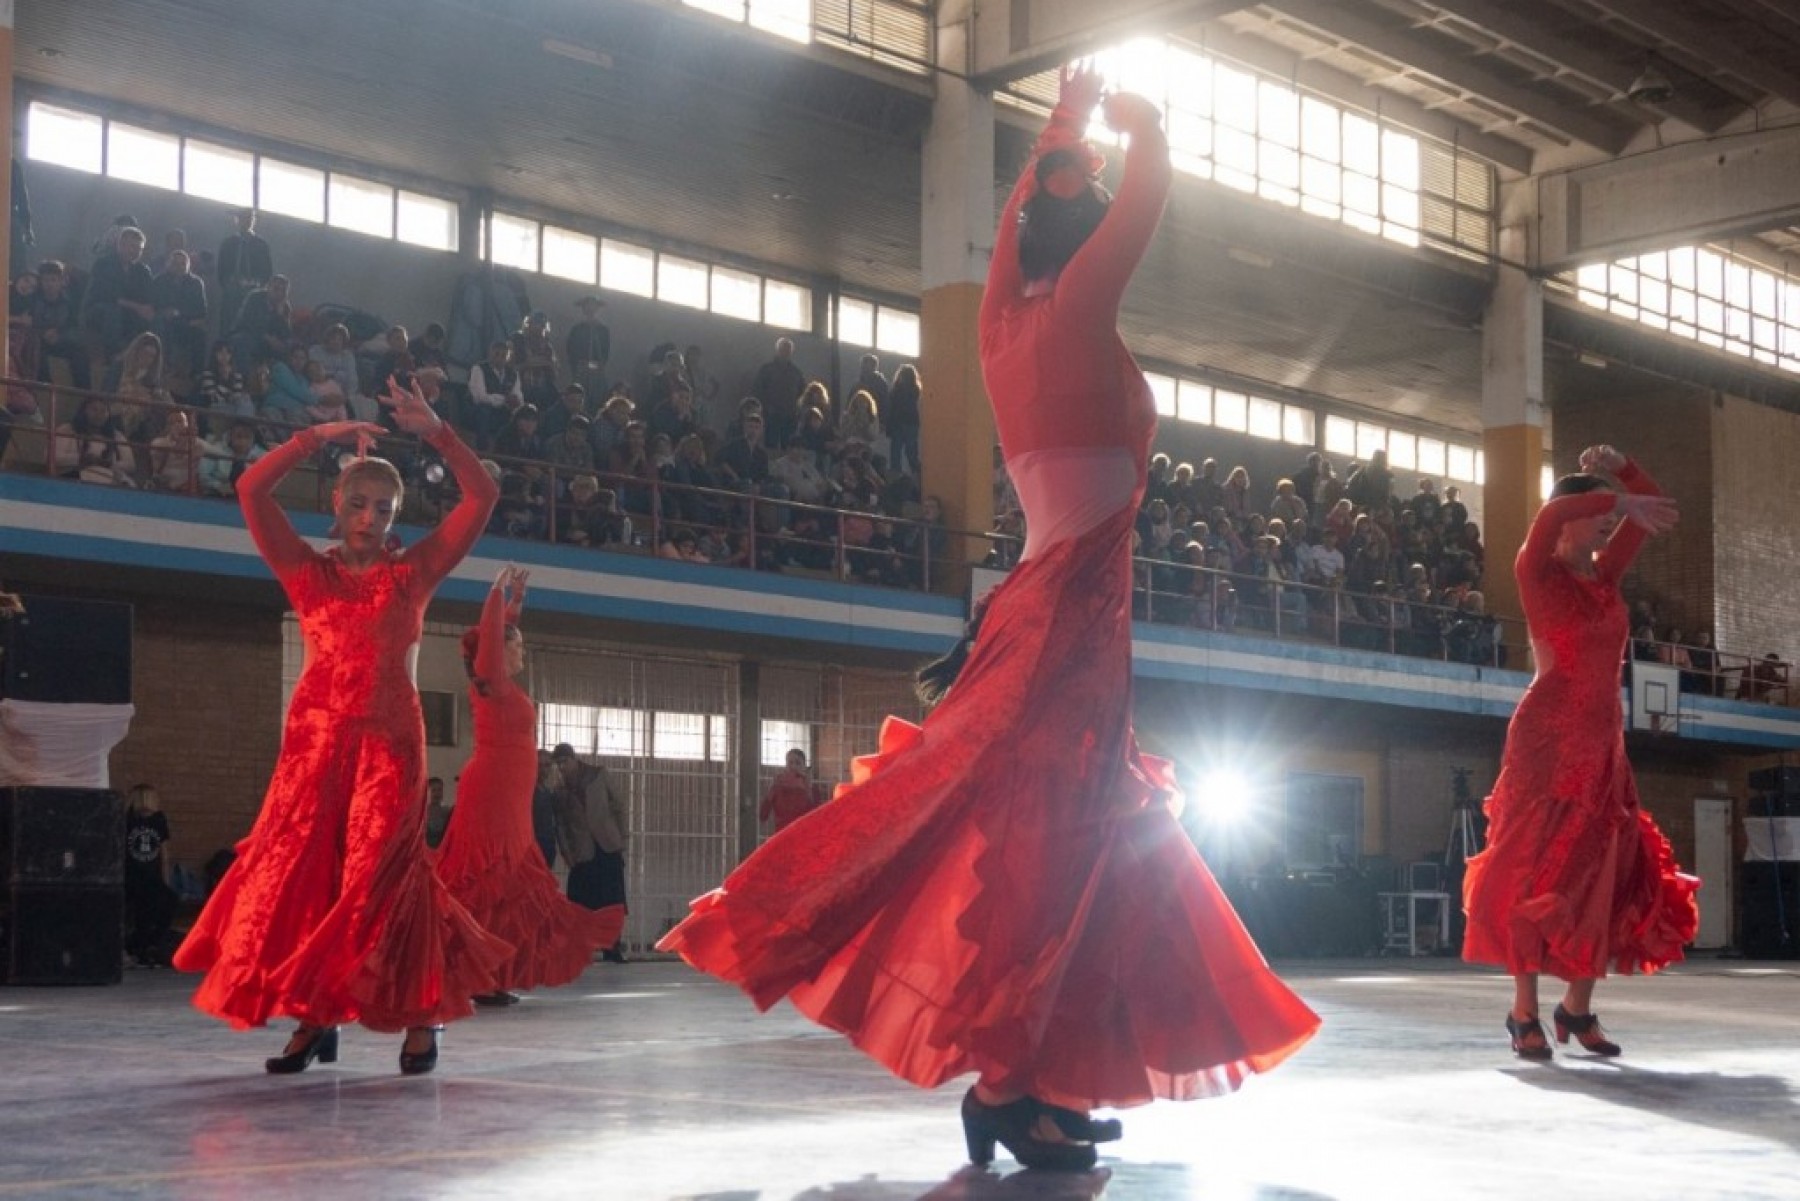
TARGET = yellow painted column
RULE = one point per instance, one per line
(957, 235)
(956, 439)
(1512, 417)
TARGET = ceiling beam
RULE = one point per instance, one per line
(1346, 89)
(1687, 39)
(1506, 24)
(1017, 38)
(1457, 73)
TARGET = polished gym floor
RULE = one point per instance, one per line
(646, 1081)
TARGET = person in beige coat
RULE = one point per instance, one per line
(592, 830)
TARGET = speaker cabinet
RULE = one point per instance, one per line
(1769, 910)
(65, 651)
(61, 935)
(1783, 779)
(61, 836)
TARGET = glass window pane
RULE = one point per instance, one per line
(681, 281)
(623, 733)
(428, 221)
(718, 738)
(1265, 418)
(577, 725)
(897, 332)
(1319, 130)
(1234, 97)
(1193, 402)
(1403, 450)
(1190, 86)
(1763, 287)
(360, 205)
(1340, 435)
(1546, 481)
(1461, 464)
(787, 306)
(1322, 181)
(1431, 457)
(1681, 267)
(571, 255)
(1709, 271)
(218, 173)
(856, 322)
(679, 736)
(513, 241)
(64, 137)
(143, 156)
(736, 294)
(1400, 207)
(1278, 114)
(1369, 439)
(791, 19)
(1163, 391)
(1280, 166)
(1231, 410)
(1234, 154)
(290, 190)
(1400, 160)
(732, 10)
(1190, 134)
(1362, 144)
(1361, 193)
(780, 737)
(1481, 467)
(1297, 425)
(1591, 284)
(627, 268)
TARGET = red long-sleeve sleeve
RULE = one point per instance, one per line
(1094, 281)
(1005, 281)
(280, 545)
(490, 653)
(444, 547)
(1626, 541)
(1538, 554)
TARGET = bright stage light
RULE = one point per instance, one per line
(1223, 796)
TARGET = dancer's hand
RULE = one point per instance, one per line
(1130, 113)
(363, 432)
(1656, 514)
(1079, 87)
(412, 412)
(1602, 460)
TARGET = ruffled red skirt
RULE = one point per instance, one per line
(331, 913)
(491, 863)
(1576, 888)
(1006, 890)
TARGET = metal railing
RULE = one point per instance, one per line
(834, 542)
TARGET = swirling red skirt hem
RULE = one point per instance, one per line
(554, 939)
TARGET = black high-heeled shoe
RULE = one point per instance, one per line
(417, 1063)
(1586, 1029)
(1011, 1125)
(496, 1000)
(1521, 1031)
(1083, 1128)
(323, 1046)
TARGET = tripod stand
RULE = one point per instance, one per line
(1464, 841)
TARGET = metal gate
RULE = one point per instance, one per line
(662, 726)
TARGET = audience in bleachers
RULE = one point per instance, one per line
(791, 482)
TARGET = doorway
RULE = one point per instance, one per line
(1712, 863)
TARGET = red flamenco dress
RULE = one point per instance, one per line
(1576, 879)
(1006, 890)
(490, 860)
(331, 913)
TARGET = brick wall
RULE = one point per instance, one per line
(1670, 432)
(206, 680)
(1757, 592)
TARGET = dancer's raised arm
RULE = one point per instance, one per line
(444, 547)
(280, 545)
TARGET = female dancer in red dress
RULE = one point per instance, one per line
(331, 912)
(490, 859)
(1006, 890)
(1576, 878)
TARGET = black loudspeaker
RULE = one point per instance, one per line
(1784, 780)
(66, 651)
(1769, 910)
(61, 836)
(61, 935)
(1775, 804)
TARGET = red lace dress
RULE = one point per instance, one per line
(490, 860)
(331, 913)
(1005, 889)
(1576, 878)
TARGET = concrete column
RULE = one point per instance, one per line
(956, 443)
(1512, 417)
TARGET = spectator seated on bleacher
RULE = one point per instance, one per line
(219, 473)
(91, 446)
(1473, 636)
